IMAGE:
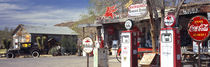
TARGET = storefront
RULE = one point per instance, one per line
(111, 28)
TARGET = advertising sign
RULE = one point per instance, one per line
(198, 28)
(129, 3)
(110, 11)
(128, 24)
(169, 21)
(138, 9)
(88, 44)
(195, 46)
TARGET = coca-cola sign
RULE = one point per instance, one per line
(198, 28)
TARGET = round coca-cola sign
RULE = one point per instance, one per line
(198, 28)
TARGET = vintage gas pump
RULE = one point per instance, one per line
(129, 47)
(170, 53)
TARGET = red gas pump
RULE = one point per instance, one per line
(170, 53)
(129, 47)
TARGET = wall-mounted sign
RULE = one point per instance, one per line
(169, 21)
(110, 11)
(129, 3)
(190, 11)
(128, 24)
(138, 9)
(88, 44)
(198, 28)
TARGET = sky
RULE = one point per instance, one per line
(40, 12)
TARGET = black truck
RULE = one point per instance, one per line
(32, 48)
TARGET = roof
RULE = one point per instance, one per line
(185, 10)
(145, 17)
(47, 30)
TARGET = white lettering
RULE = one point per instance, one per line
(202, 27)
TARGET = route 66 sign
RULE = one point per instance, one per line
(169, 21)
(88, 44)
(128, 24)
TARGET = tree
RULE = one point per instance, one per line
(5, 34)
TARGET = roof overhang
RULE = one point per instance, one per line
(89, 25)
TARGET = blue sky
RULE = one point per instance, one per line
(40, 12)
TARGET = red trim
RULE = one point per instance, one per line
(160, 45)
(131, 48)
(174, 45)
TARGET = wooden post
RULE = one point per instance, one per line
(83, 32)
(199, 54)
(87, 59)
(152, 30)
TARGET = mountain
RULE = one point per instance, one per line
(69, 24)
(89, 31)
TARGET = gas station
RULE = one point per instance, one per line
(132, 38)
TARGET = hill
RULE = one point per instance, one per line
(89, 32)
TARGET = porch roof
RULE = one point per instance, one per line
(46, 30)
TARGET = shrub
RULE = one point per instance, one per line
(68, 45)
(55, 51)
(6, 43)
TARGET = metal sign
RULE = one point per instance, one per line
(129, 3)
(138, 9)
(88, 44)
(128, 24)
(198, 28)
(169, 20)
(110, 11)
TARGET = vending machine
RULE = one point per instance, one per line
(129, 49)
(170, 53)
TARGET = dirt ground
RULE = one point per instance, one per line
(59, 61)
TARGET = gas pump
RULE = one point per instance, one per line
(129, 47)
(170, 53)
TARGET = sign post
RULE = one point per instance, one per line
(88, 47)
(198, 29)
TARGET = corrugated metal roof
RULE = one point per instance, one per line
(49, 30)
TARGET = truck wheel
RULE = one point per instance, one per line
(10, 55)
(35, 54)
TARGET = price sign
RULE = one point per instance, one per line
(88, 44)
(198, 28)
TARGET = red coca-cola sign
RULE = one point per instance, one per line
(198, 28)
